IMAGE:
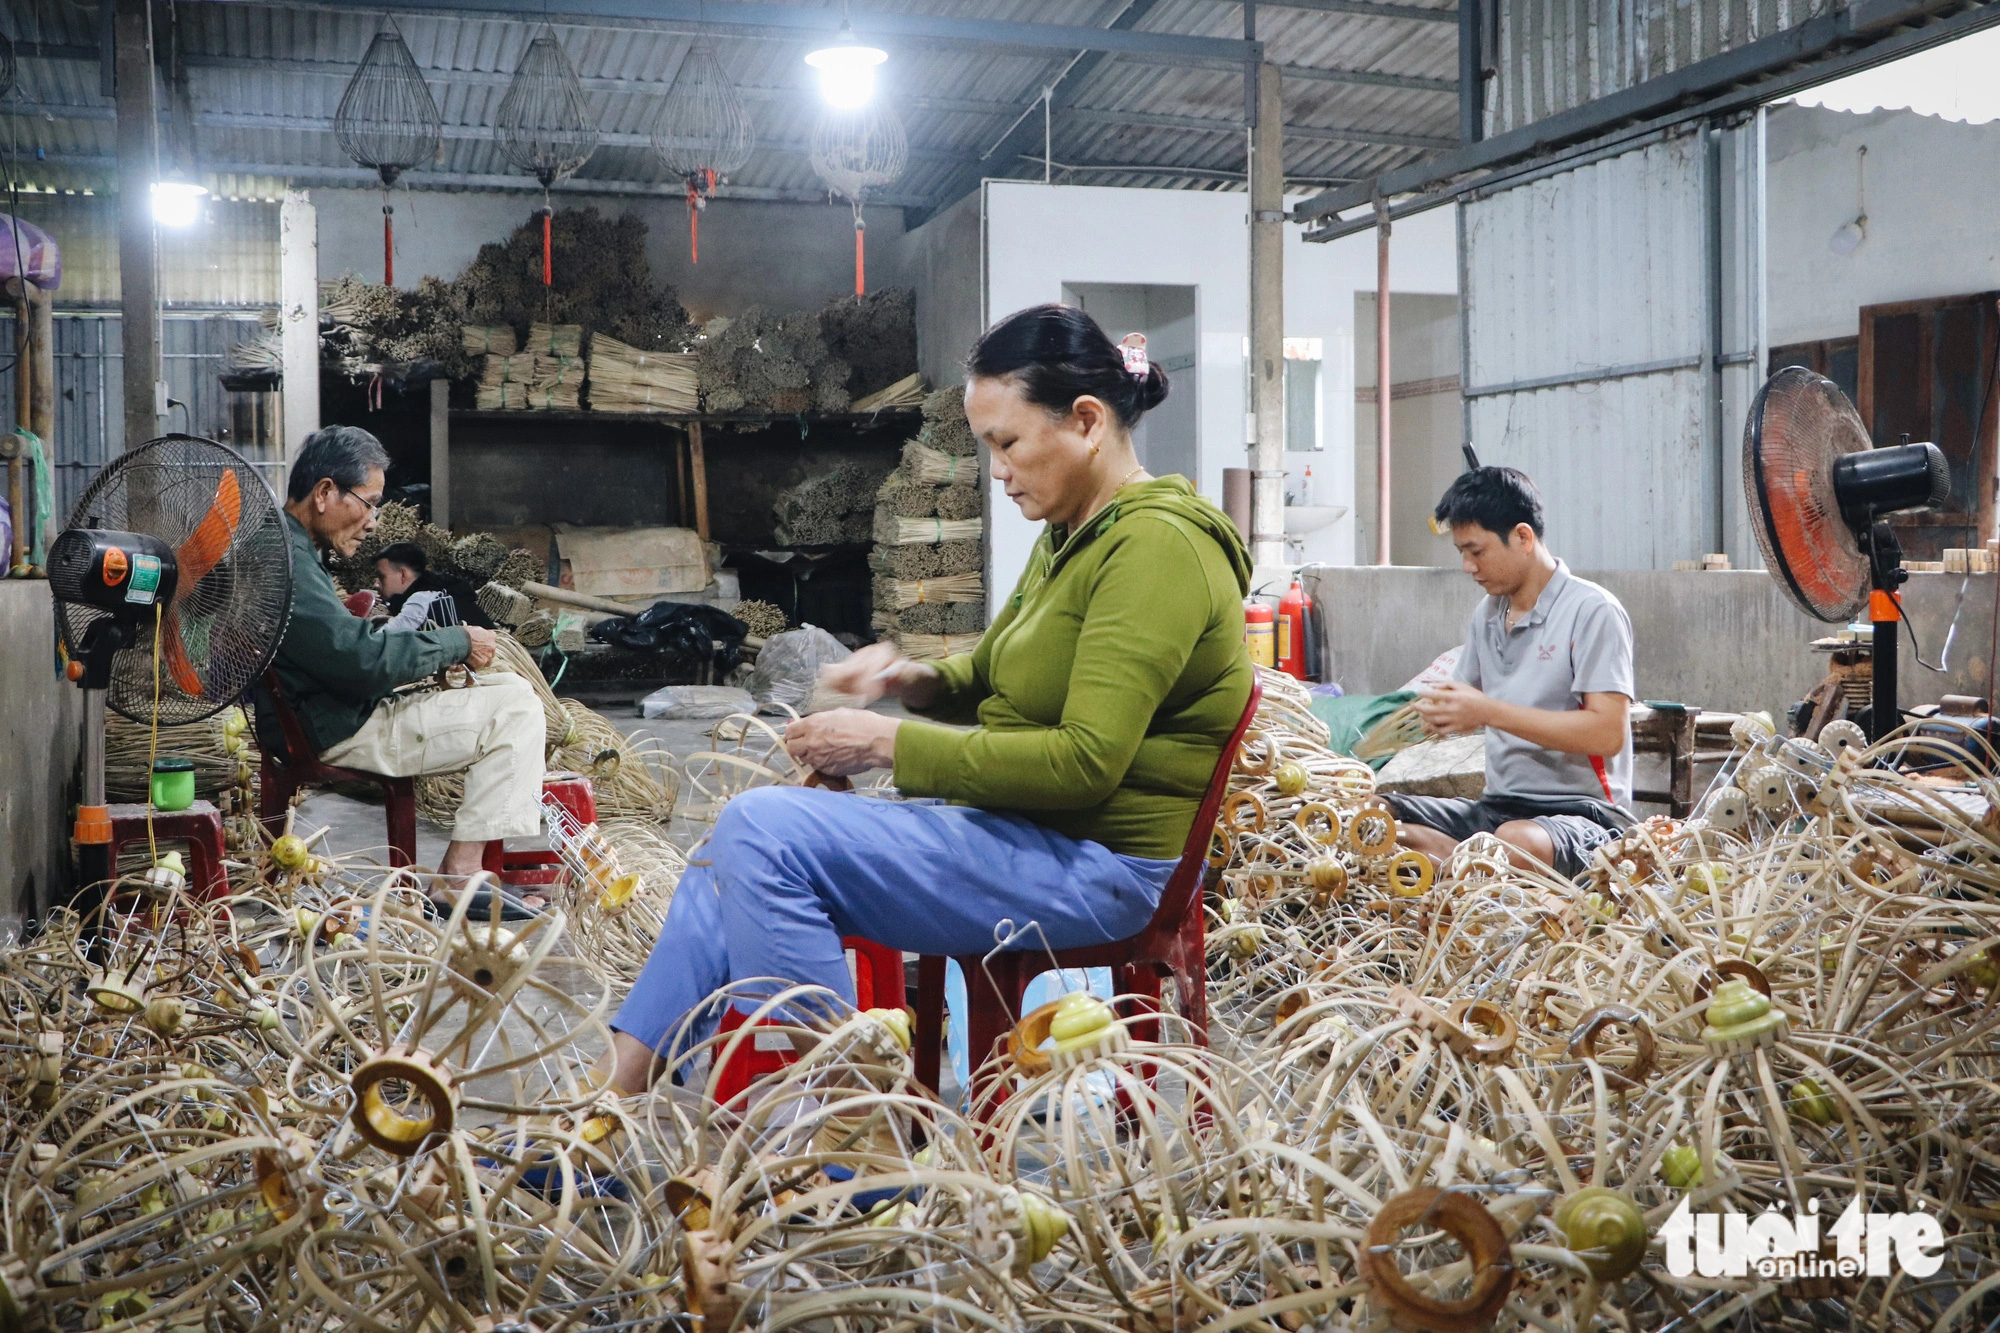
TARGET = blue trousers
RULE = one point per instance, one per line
(790, 870)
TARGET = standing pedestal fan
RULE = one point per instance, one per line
(1819, 496)
(172, 587)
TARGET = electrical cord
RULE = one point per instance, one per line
(1916, 649)
(152, 746)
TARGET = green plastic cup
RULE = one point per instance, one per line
(173, 784)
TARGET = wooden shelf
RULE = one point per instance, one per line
(690, 453)
(888, 414)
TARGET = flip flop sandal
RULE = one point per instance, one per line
(481, 908)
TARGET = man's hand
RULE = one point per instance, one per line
(878, 670)
(484, 641)
(843, 741)
(1454, 708)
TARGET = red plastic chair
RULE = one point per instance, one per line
(878, 984)
(280, 778)
(1172, 944)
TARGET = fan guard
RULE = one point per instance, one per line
(1799, 424)
(230, 621)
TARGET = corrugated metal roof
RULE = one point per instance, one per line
(264, 82)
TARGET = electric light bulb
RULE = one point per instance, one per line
(846, 70)
(177, 203)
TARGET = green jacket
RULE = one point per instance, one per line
(1107, 687)
(332, 664)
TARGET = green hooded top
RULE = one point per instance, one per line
(1107, 687)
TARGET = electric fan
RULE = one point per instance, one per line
(180, 544)
(1818, 493)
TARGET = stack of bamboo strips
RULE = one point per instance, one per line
(504, 380)
(625, 379)
(546, 373)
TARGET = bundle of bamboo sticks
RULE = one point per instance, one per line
(625, 379)
(504, 380)
(557, 340)
(949, 588)
(934, 467)
(489, 339)
(558, 383)
(905, 392)
(932, 647)
(926, 531)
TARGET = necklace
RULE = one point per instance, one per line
(1128, 477)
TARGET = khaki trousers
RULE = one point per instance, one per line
(492, 731)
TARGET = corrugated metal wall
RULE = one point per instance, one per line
(1597, 269)
(228, 260)
(90, 423)
(1552, 55)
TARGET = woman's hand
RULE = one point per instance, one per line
(878, 670)
(843, 741)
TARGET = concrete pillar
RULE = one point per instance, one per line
(138, 255)
(298, 326)
(441, 453)
(1267, 323)
(1383, 386)
(42, 402)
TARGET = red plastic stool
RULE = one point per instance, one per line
(538, 867)
(878, 984)
(199, 826)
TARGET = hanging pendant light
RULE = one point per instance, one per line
(702, 133)
(546, 128)
(855, 152)
(389, 121)
(846, 69)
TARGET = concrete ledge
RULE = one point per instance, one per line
(41, 722)
(1728, 640)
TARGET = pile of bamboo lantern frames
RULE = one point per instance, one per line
(1434, 1099)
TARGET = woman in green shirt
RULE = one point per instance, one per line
(1090, 718)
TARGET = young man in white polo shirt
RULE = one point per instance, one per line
(1547, 670)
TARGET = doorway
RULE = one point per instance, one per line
(1167, 439)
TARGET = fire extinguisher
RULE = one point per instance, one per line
(1292, 609)
(1260, 633)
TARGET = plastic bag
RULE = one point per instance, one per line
(789, 664)
(687, 631)
(691, 702)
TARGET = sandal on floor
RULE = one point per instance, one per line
(481, 907)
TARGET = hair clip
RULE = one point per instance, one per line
(1133, 348)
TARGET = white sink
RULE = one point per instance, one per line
(1301, 519)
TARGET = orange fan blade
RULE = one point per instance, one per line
(210, 542)
(178, 667)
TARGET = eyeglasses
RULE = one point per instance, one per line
(373, 506)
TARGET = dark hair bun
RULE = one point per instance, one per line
(1058, 354)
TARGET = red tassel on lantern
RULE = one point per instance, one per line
(388, 247)
(548, 257)
(860, 255)
(700, 189)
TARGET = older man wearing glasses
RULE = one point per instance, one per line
(346, 682)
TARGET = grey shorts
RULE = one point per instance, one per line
(1576, 827)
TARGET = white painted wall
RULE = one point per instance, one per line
(1933, 195)
(1039, 237)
